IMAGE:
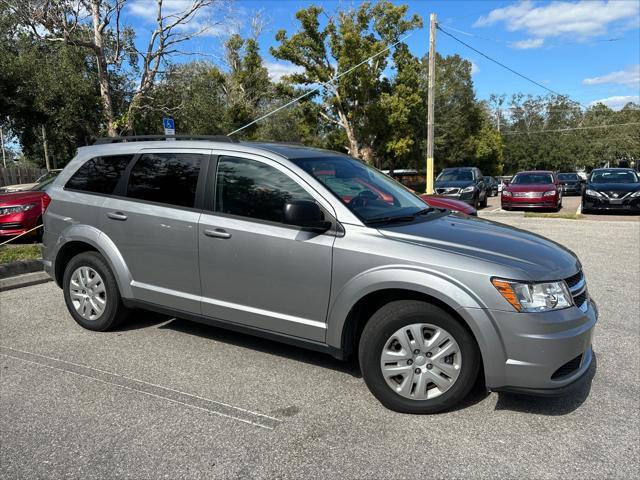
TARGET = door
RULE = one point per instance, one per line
(254, 269)
(154, 224)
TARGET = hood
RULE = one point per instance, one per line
(20, 198)
(537, 187)
(19, 187)
(614, 187)
(458, 184)
(538, 258)
(569, 182)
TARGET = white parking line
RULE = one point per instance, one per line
(579, 210)
(146, 388)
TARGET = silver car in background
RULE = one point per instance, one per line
(313, 248)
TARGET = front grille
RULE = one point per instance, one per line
(573, 280)
(447, 191)
(567, 369)
(613, 195)
(527, 194)
(10, 226)
(578, 286)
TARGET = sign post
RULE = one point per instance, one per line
(169, 127)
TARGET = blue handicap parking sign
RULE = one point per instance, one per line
(168, 123)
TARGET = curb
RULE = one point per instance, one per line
(24, 280)
(20, 267)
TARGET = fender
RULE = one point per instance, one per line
(103, 244)
(420, 280)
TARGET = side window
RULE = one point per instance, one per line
(252, 189)
(169, 178)
(100, 174)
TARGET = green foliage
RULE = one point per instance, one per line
(554, 133)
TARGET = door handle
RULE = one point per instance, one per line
(117, 216)
(217, 233)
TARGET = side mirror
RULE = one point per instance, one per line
(305, 214)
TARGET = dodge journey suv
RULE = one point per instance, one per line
(313, 248)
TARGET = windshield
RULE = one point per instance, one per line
(568, 176)
(368, 193)
(455, 176)
(613, 176)
(532, 179)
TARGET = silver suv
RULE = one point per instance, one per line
(313, 248)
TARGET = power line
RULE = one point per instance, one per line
(322, 85)
(508, 68)
(572, 128)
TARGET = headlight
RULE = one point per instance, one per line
(549, 193)
(592, 193)
(534, 297)
(16, 209)
(506, 193)
(636, 194)
(468, 189)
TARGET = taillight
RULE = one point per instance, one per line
(45, 200)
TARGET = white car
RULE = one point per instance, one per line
(21, 187)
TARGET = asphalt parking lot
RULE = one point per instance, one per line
(165, 398)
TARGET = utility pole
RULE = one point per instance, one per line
(430, 100)
(46, 152)
(4, 155)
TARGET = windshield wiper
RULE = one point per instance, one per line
(399, 218)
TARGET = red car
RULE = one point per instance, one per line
(536, 189)
(22, 211)
(449, 203)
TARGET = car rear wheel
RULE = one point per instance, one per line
(91, 293)
(417, 358)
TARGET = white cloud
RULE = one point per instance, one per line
(582, 19)
(528, 43)
(629, 76)
(474, 67)
(617, 102)
(278, 70)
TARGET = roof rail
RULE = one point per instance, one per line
(143, 138)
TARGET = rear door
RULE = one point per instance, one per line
(254, 269)
(153, 220)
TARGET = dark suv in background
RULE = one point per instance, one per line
(463, 183)
(571, 183)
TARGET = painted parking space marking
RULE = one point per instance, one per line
(146, 388)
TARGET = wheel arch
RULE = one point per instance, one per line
(82, 238)
(348, 318)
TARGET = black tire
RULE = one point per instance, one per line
(384, 323)
(476, 202)
(483, 204)
(115, 312)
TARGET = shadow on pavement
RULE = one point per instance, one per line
(264, 345)
(549, 405)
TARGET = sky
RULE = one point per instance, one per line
(588, 50)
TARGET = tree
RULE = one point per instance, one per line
(353, 101)
(95, 25)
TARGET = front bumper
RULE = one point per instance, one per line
(542, 353)
(525, 202)
(17, 223)
(596, 203)
(467, 198)
(572, 190)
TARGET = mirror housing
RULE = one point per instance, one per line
(305, 214)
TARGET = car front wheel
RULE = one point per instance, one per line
(416, 358)
(91, 293)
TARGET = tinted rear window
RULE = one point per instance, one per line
(100, 174)
(169, 178)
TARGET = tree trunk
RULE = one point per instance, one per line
(103, 74)
(353, 147)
